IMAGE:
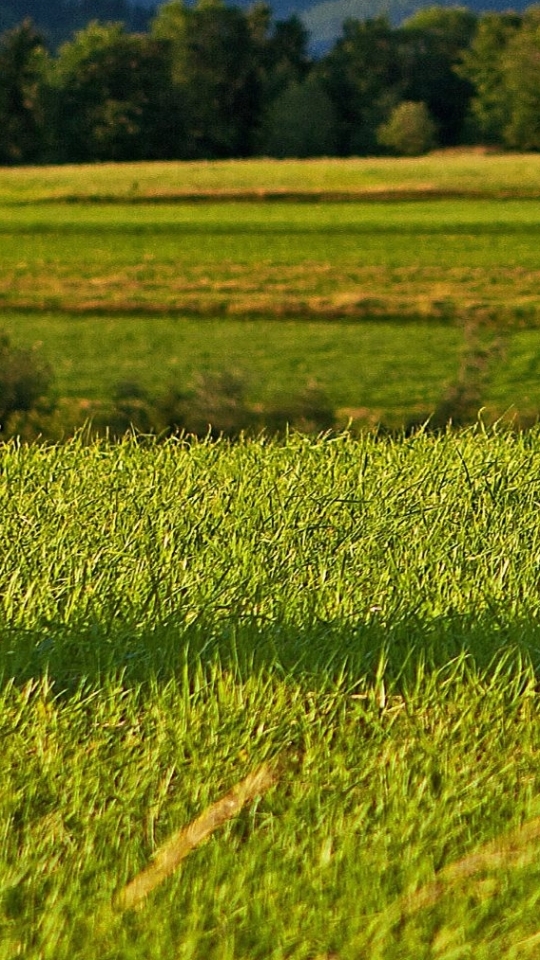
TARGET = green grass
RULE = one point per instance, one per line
(395, 372)
(516, 381)
(364, 611)
(465, 171)
(174, 615)
(461, 259)
(103, 287)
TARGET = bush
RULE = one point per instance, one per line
(310, 411)
(410, 130)
(214, 405)
(133, 409)
(25, 391)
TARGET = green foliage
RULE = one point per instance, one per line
(300, 122)
(409, 131)
(482, 65)
(211, 80)
(25, 388)
(362, 77)
(214, 405)
(215, 81)
(521, 71)
(108, 102)
(432, 43)
(23, 117)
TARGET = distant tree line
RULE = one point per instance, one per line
(213, 81)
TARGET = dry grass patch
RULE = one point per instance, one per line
(311, 289)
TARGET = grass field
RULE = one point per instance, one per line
(363, 613)
(367, 373)
(102, 287)
(471, 172)
(450, 259)
(360, 614)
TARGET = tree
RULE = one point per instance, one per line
(363, 79)
(288, 60)
(431, 43)
(521, 77)
(300, 122)
(482, 65)
(23, 61)
(108, 86)
(214, 74)
(409, 130)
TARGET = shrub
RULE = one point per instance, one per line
(25, 391)
(133, 409)
(310, 411)
(410, 129)
(214, 405)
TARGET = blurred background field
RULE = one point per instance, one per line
(457, 171)
(384, 312)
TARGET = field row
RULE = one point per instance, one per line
(455, 260)
(465, 172)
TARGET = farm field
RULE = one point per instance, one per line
(449, 277)
(352, 618)
(456, 172)
(450, 259)
(361, 614)
(364, 370)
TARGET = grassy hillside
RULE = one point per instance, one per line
(363, 614)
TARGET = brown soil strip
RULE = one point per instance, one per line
(169, 856)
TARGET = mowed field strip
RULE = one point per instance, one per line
(127, 247)
(452, 172)
(456, 259)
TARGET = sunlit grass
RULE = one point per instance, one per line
(359, 542)
(465, 171)
(175, 615)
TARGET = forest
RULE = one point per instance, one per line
(213, 81)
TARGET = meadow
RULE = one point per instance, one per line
(362, 614)
(431, 281)
(356, 615)
(455, 172)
